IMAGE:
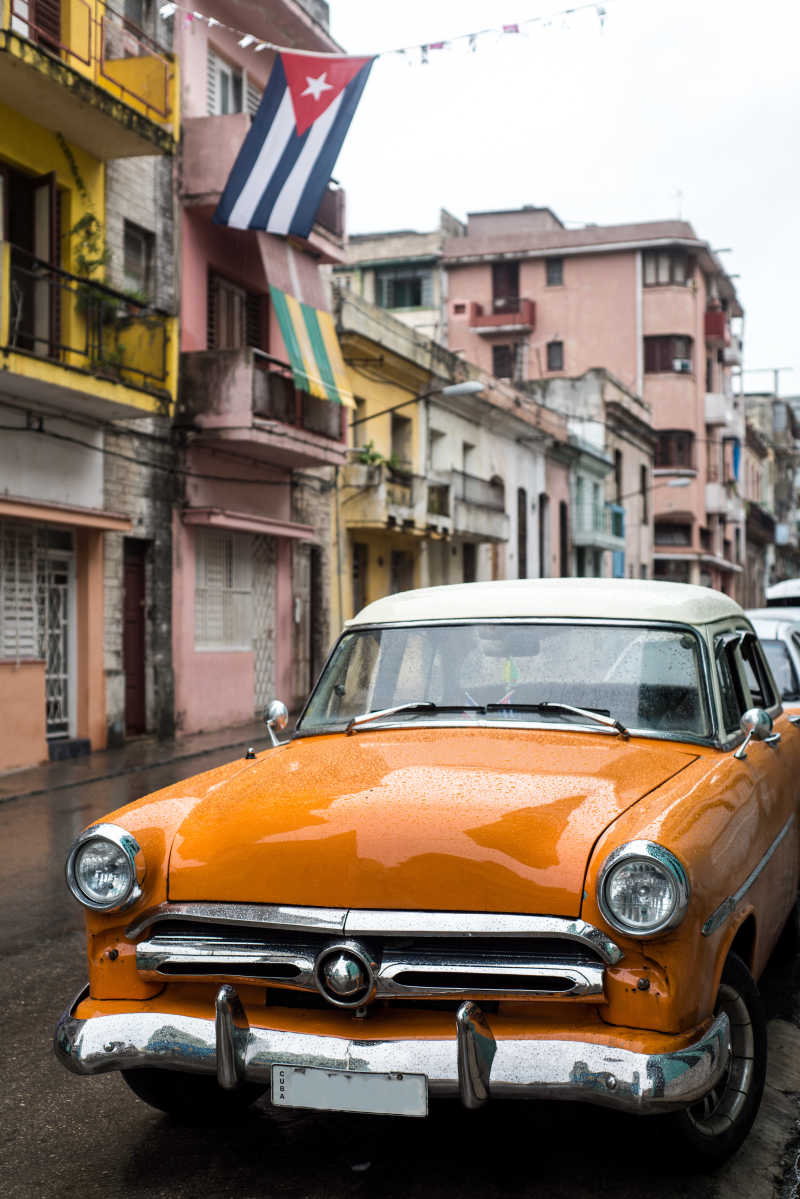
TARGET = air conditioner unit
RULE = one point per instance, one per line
(682, 365)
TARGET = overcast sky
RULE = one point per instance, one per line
(674, 107)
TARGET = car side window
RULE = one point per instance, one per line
(757, 674)
(730, 688)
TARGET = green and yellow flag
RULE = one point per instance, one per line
(313, 347)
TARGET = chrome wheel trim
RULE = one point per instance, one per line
(717, 1111)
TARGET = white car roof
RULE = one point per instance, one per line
(633, 599)
(772, 626)
(788, 589)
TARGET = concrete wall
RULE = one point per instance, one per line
(37, 466)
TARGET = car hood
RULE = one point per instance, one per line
(437, 818)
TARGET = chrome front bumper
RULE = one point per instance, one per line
(471, 1064)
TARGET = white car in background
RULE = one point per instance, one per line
(778, 629)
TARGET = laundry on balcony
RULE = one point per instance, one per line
(313, 347)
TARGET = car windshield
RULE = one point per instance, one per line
(647, 678)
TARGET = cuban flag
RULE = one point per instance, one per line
(280, 175)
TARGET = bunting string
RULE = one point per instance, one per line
(424, 50)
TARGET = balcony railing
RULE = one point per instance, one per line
(602, 520)
(481, 492)
(101, 44)
(438, 499)
(79, 323)
(506, 311)
(275, 397)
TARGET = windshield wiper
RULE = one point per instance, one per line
(547, 706)
(420, 706)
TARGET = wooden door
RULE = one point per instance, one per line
(133, 636)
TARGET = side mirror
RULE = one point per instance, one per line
(276, 716)
(754, 723)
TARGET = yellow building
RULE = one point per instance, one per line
(79, 85)
(388, 514)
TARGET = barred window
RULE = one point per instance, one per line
(223, 590)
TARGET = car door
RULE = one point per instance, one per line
(766, 786)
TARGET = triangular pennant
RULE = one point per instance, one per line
(314, 83)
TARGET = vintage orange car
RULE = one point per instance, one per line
(530, 839)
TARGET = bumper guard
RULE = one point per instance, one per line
(471, 1064)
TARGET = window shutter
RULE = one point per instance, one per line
(254, 95)
(211, 83)
(427, 289)
(18, 623)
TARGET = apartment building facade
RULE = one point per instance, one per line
(250, 527)
(531, 300)
(79, 90)
(452, 476)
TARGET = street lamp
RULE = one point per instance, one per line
(469, 387)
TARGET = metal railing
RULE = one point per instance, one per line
(103, 44)
(77, 322)
(275, 397)
(598, 518)
(484, 493)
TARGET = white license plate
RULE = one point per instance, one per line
(348, 1091)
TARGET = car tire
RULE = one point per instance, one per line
(192, 1098)
(710, 1131)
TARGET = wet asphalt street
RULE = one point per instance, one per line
(61, 1135)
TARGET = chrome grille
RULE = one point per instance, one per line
(528, 958)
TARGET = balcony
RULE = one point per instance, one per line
(377, 496)
(86, 72)
(210, 148)
(717, 326)
(719, 409)
(81, 345)
(247, 401)
(510, 314)
(601, 526)
(478, 507)
(732, 354)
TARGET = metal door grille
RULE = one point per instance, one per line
(264, 571)
(36, 567)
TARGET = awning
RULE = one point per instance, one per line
(246, 522)
(313, 348)
(64, 514)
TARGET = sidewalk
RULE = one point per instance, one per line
(134, 755)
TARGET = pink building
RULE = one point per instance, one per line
(531, 300)
(251, 531)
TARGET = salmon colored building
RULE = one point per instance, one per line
(250, 534)
(651, 303)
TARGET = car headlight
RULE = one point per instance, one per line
(105, 867)
(642, 889)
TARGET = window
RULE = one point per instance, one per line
(672, 534)
(502, 361)
(401, 441)
(756, 674)
(225, 86)
(675, 449)
(223, 590)
(643, 490)
(665, 266)
(359, 575)
(555, 355)
(138, 246)
(670, 353)
(505, 286)
(522, 533)
(236, 317)
(618, 475)
(555, 271)
(404, 287)
(544, 534)
(563, 539)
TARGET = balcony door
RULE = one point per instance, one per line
(32, 206)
